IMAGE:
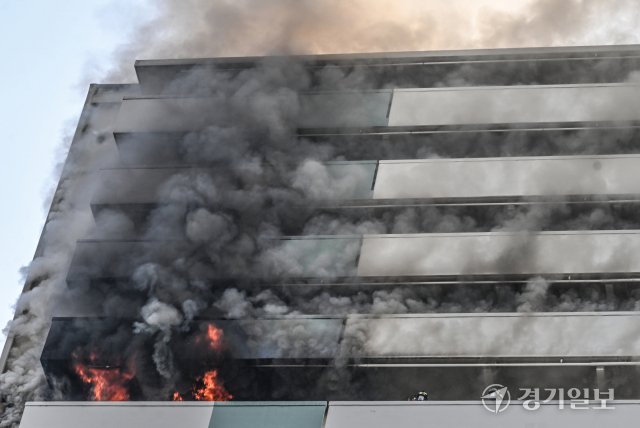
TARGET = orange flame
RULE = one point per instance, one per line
(212, 389)
(214, 338)
(107, 384)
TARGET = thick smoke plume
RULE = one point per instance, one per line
(201, 28)
(230, 214)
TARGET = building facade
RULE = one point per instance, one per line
(311, 239)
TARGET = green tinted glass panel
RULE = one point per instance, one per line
(308, 414)
(354, 178)
(319, 257)
(343, 109)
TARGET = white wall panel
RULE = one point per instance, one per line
(515, 104)
(486, 177)
(500, 253)
(504, 335)
(473, 415)
(116, 415)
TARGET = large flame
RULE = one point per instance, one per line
(208, 388)
(107, 383)
(212, 389)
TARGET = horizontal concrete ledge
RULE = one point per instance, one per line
(362, 283)
(449, 403)
(529, 364)
(394, 131)
(442, 366)
(120, 403)
(174, 403)
(456, 315)
(268, 403)
(474, 414)
(586, 201)
(438, 55)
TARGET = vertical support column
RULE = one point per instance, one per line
(487, 376)
(608, 288)
(326, 413)
(600, 380)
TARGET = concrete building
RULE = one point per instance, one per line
(317, 238)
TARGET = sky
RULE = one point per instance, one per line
(48, 53)
(51, 51)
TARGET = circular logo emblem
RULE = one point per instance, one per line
(496, 398)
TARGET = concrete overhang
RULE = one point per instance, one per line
(554, 63)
